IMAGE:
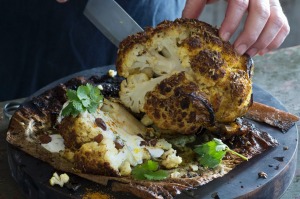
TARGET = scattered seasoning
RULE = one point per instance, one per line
(262, 175)
(285, 148)
(277, 167)
(100, 123)
(280, 159)
(242, 186)
(270, 165)
(96, 195)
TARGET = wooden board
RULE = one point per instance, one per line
(243, 182)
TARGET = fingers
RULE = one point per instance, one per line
(259, 13)
(234, 14)
(193, 8)
(278, 26)
(265, 29)
(278, 40)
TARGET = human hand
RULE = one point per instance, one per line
(265, 28)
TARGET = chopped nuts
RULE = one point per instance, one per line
(45, 138)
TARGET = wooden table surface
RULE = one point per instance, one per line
(277, 72)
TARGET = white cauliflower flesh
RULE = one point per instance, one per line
(109, 142)
(170, 159)
(134, 89)
(56, 144)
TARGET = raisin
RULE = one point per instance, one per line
(100, 123)
(98, 138)
(45, 139)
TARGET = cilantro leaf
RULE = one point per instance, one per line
(86, 97)
(92, 107)
(211, 153)
(78, 106)
(156, 175)
(149, 171)
(67, 110)
(83, 92)
(86, 102)
(208, 154)
(95, 94)
(72, 95)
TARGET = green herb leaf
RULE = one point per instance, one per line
(95, 94)
(72, 95)
(212, 153)
(208, 154)
(78, 106)
(156, 175)
(149, 171)
(83, 92)
(92, 107)
(86, 97)
(86, 102)
(67, 110)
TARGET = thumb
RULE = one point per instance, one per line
(193, 8)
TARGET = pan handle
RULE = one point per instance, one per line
(10, 108)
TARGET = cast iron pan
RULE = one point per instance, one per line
(242, 182)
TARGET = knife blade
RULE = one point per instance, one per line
(111, 19)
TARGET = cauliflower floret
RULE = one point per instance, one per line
(134, 89)
(125, 169)
(112, 73)
(217, 79)
(146, 120)
(59, 179)
(170, 159)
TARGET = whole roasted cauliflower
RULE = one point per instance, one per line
(183, 76)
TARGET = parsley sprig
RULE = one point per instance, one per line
(86, 97)
(149, 171)
(211, 153)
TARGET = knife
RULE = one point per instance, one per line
(111, 19)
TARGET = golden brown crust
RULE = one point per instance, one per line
(177, 105)
(86, 162)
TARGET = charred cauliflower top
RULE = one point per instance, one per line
(183, 76)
